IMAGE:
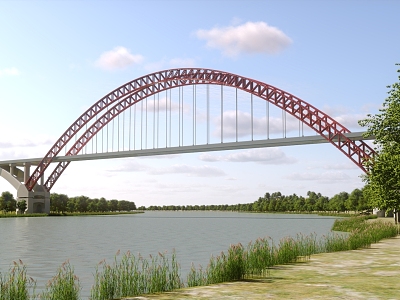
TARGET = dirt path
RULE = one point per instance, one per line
(372, 273)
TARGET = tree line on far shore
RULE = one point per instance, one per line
(276, 202)
(61, 203)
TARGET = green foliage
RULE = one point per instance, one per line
(60, 203)
(259, 257)
(7, 202)
(383, 178)
(63, 286)
(133, 276)
(21, 205)
(276, 202)
(16, 285)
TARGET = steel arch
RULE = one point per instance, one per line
(138, 89)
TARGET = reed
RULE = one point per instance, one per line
(16, 285)
(63, 286)
(131, 276)
(259, 257)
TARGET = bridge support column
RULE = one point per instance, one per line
(37, 201)
(27, 171)
(12, 168)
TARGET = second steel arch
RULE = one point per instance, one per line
(357, 151)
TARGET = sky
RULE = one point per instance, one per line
(57, 58)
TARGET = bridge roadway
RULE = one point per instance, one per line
(290, 141)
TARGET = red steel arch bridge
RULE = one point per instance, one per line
(180, 111)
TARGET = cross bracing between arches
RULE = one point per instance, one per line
(133, 93)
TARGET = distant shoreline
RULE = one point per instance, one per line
(12, 215)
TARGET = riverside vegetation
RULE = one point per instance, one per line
(131, 276)
(342, 202)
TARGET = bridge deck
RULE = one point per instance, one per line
(290, 141)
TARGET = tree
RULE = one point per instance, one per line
(355, 201)
(310, 201)
(113, 205)
(54, 202)
(337, 202)
(21, 205)
(8, 202)
(102, 205)
(383, 177)
(2, 204)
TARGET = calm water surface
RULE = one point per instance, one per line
(43, 244)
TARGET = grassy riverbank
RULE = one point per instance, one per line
(130, 275)
(14, 215)
(109, 213)
(368, 273)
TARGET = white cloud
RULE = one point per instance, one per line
(9, 72)
(130, 166)
(197, 171)
(342, 166)
(344, 116)
(118, 58)
(251, 37)
(350, 121)
(328, 166)
(194, 171)
(275, 125)
(163, 103)
(25, 146)
(325, 177)
(271, 156)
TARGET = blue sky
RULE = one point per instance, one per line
(59, 57)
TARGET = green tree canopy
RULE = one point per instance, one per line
(21, 205)
(7, 202)
(383, 178)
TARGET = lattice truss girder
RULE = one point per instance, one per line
(132, 92)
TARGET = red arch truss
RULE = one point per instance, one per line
(134, 91)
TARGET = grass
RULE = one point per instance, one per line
(16, 285)
(136, 276)
(131, 276)
(64, 285)
(369, 273)
(14, 215)
(259, 257)
(107, 213)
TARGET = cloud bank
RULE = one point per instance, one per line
(275, 125)
(251, 38)
(118, 58)
(191, 171)
(268, 156)
(325, 177)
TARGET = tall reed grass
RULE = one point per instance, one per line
(16, 285)
(132, 276)
(64, 285)
(259, 257)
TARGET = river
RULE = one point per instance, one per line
(44, 243)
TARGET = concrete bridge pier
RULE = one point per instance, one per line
(37, 201)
